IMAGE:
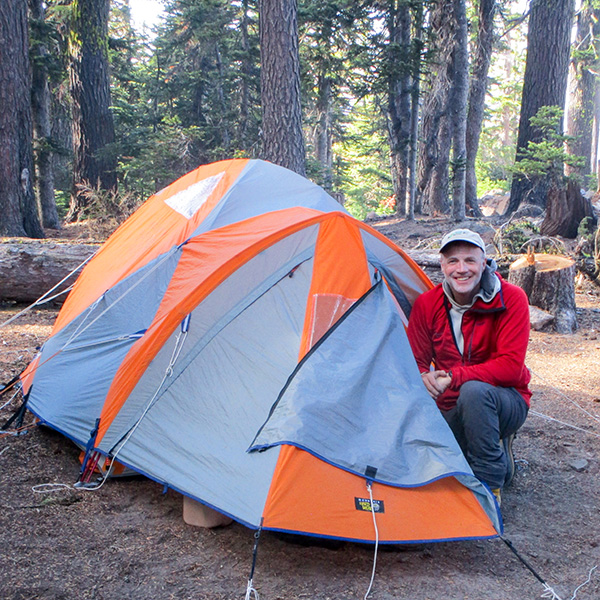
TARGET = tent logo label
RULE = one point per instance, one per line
(364, 504)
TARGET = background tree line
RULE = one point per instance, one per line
(406, 106)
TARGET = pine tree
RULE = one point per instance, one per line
(18, 211)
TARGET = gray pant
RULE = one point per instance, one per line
(484, 415)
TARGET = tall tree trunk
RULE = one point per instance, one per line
(246, 71)
(433, 177)
(459, 95)
(18, 210)
(225, 136)
(40, 101)
(399, 88)
(477, 91)
(595, 131)
(583, 87)
(93, 128)
(544, 84)
(283, 142)
(415, 94)
(323, 138)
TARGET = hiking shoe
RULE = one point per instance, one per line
(497, 495)
(507, 443)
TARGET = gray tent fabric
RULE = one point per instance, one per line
(358, 401)
(217, 394)
(247, 198)
(92, 347)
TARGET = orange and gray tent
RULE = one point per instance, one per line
(241, 339)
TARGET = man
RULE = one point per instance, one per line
(469, 336)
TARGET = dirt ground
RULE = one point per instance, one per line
(128, 539)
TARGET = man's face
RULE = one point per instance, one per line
(462, 265)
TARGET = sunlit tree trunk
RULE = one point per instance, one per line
(583, 87)
(225, 136)
(283, 142)
(415, 94)
(18, 210)
(477, 91)
(459, 95)
(433, 176)
(399, 88)
(246, 71)
(323, 135)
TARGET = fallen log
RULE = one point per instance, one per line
(28, 269)
(549, 282)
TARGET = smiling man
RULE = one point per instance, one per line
(469, 336)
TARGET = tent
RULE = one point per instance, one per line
(241, 339)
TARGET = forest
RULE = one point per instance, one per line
(406, 107)
(412, 114)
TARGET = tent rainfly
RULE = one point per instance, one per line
(241, 339)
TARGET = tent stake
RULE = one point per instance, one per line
(249, 589)
(547, 588)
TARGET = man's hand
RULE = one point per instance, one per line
(436, 382)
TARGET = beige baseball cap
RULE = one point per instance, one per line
(462, 235)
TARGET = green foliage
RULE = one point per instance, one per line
(549, 154)
(190, 96)
(331, 50)
(362, 166)
(587, 228)
(515, 236)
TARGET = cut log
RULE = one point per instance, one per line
(549, 282)
(29, 269)
(199, 515)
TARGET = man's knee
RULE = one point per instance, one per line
(475, 396)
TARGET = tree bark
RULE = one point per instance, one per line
(477, 92)
(283, 142)
(415, 95)
(225, 136)
(93, 128)
(28, 271)
(544, 84)
(40, 100)
(565, 209)
(583, 88)
(18, 210)
(246, 72)
(433, 177)
(549, 282)
(459, 95)
(323, 137)
(399, 88)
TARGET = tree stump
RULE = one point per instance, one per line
(549, 282)
(566, 207)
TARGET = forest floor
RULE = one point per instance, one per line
(128, 539)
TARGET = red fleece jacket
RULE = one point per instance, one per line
(495, 340)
